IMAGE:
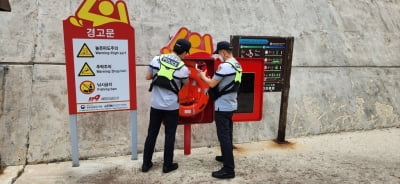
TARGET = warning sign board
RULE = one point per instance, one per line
(100, 63)
(100, 58)
(86, 71)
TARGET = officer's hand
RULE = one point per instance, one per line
(202, 74)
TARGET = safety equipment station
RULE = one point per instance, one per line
(196, 106)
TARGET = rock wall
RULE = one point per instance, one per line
(345, 73)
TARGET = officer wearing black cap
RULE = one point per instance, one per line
(168, 74)
(226, 83)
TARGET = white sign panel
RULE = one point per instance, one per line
(102, 74)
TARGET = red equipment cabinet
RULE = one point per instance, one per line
(250, 95)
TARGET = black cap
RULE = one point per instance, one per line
(182, 45)
(223, 45)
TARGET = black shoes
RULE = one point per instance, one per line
(167, 169)
(223, 174)
(146, 167)
(219, 158)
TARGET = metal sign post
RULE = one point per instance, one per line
(100, 64)
(74, 140)
(285, 93)
(134, 135)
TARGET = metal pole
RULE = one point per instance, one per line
(187, 134)
(74, 140)
(283, 116)
(134, 135)
(285, 92)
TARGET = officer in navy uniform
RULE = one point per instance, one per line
(226, 81)
(168, 74)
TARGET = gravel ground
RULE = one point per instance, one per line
(352, 157)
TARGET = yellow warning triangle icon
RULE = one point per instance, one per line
(85, 51)
(86, 71)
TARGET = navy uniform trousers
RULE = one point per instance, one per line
(223, 121)
(170, 118)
